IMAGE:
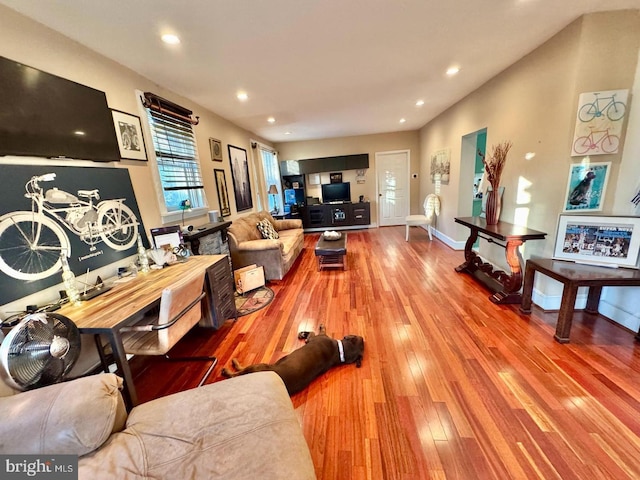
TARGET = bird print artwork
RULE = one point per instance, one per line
(582, 192)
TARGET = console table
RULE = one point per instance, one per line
(209, 239)
(506, 286)
(574, 275)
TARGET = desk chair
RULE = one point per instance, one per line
(180, 310)
(431, 207)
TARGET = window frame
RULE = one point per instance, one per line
(167, 215)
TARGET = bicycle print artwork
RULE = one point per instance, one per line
(90, 231)
(599, 122)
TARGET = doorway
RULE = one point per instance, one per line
(471, 173)
(392, 184)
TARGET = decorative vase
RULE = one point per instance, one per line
(493, 207)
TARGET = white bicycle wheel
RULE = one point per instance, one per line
(30, 246)
(118, 225)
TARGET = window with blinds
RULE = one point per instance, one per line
(177, 159)
(271, 171)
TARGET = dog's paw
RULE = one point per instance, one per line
(226, 373)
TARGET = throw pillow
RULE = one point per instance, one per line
(267, 230)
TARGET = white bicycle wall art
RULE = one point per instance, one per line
(31, 242)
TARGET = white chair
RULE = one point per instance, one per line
(180, 310)
(431, 207)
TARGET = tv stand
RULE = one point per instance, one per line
(335, 215)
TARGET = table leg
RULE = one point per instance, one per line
(593, 300)
(565, 316)
(468, 251)
(514, 259)
(527, 289)
(120, 356)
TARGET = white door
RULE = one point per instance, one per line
(392, 176)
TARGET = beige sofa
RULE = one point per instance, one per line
(247, 246)
(241, 428)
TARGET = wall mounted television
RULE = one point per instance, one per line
(336, 192)
(43, 115)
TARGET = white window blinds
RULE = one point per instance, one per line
(177, 160)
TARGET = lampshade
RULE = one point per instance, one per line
(273, 190)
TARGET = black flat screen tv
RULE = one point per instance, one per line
(336, 192)
(42, 115)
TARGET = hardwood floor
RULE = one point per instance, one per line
(451, 386)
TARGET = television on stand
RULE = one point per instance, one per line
(336, 192)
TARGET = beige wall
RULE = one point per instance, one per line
(353, 145)
(533, 104)
(23, 40)
(26, 41)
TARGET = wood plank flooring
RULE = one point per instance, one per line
(451, 386)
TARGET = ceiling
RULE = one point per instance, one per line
(323, 68)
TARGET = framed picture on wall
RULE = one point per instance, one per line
(240, 174)
(129, 135)
(216, 149)
(335, 177)
(586, 187)
(598, 239)
(223, 194)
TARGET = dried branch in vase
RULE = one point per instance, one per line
(495, 163)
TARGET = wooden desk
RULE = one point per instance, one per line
(506, 287)
(123, 304)
(574, 275)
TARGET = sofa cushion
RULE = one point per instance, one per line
(241, 428)
(72, 418)
(266, 230)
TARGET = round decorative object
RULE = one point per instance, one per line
(332, 235)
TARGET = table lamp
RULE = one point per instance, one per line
(273, 190)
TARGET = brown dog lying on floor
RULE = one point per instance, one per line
(302, 366)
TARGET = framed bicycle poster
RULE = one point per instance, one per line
(598, 239)
(599, 121)
(89, 214)
(586, 187)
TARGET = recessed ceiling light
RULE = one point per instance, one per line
(287, 133)
(170, 38)
(419, 103)
(80, 133)
(452, 71)
(271, 120)
(242, 96)
(402, 120)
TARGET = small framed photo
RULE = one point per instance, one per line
(335, 177)
(129, 135)
(586, 187)
(216, 149)
(598, 240)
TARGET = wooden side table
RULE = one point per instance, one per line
(574, 275)
(506, 286)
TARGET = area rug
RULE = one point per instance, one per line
(253, 300)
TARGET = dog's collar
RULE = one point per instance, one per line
(341, 350)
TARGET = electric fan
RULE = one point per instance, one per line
(39, 350)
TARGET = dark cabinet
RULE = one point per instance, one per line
(360, 214)
(219, 304)
(331, 216)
